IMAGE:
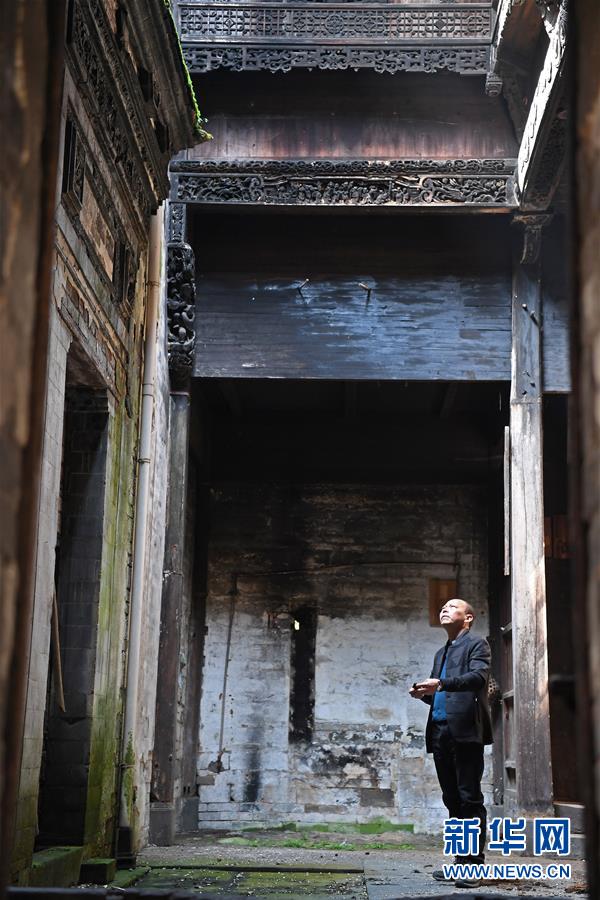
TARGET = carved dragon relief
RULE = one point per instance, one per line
(181, 296)
(176, 222)
(463, 60)
(482, 183)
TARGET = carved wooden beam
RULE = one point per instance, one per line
(531, 225)
(505, 9)
(463, 60)
(484, 184)
(330, 23)
(387, 37)
(176, 223)
(181, 312)
(516, 31)
(542, 149)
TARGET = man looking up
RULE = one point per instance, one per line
(459, 721)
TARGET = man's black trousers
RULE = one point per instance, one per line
(459, 767)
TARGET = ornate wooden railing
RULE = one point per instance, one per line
(280, 35)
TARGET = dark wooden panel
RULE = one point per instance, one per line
(555, 346)
(439, 328)
(351, 135)
(555, 307)
(352, 114)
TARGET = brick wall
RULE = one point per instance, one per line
(366, 757)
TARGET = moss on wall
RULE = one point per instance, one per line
(104, 773)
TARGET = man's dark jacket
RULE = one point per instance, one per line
(466, 684)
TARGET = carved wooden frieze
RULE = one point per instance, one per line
(463, 60)
(314, 22)
(181, 296)
(176, 222)
(93, 214)
(416, 183)
(119, 123)
(531, 225)
(387, 37)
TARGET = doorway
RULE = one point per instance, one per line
(65, 767)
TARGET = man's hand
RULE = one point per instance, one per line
(424, 688)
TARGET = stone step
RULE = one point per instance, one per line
(573, 811)
(55, 867)
(577, 846)
(97, 871)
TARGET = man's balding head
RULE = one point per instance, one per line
(469, 609)
(456, 615)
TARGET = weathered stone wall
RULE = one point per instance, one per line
(366, 758)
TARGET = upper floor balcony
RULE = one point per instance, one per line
(280, 35)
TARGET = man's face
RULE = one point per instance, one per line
(455, 612)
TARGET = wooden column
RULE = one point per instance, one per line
(531, 734)
(163, 809)
(181, 340)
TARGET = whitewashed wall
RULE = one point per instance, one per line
(367, 757)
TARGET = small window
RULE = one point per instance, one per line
(440, 591)
(73, 165)
(146, 83)
(122, 272)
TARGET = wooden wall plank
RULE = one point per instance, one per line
(352, 114)
(555, 347)
(414, 328)
(555, 294)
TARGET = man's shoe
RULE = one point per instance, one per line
(467, 882)
(470, 882)
(438, 874)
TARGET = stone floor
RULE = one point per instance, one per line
(350, 866)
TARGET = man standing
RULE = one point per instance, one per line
(459, 722)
